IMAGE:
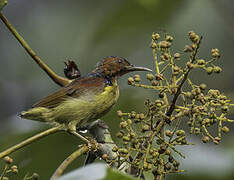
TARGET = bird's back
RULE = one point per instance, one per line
(85, 99)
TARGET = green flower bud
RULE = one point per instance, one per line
(155, 36)
(8, 160)
(217, 69)
(130, 80)
(164, 44)
(150, 77)
(205, 139)
(209, 70)
(169, 38)
(201, 61)
(123, 124)
(225, 129)
(202, 86)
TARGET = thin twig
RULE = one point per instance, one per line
(29, 141)
(59, 171)
(178, 92)
(57, 79)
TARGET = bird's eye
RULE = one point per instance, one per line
(120, 61)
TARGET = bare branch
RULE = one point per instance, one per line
(68, 161)
(29, 141)
(57, 79)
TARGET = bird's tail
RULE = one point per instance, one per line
(36, 114)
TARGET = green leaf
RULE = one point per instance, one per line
(96, 171)
(2, 4)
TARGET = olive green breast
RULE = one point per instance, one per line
(87, 107)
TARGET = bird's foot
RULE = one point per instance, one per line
(91, 143)
(80, 136)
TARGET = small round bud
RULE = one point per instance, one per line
(167, 166)
(104, 156)
(180, 132)
(205, 139)
(168, 152)
(188, 48)
(35, 176)
(158, 103)
(215, 142)
(14, 169)
(188, 95)
(153, 45)
(215, 53)
(202, 86)
(141, 116)
(209, 70)
(197, 131)
(177, 55)
(170, 159)
(201, 61)
(190, 65)
(119, 113)
(115, 149)
(137, 78)
(162, 149)
(225, 109)
(123, 151)
(155, 36)
(169, 38)
(8, 160)
(168, 133)
(217, 139)
(164, 44)
(161, 95)
(176, 163)
(154, 83)
(130, 80)
(176, 69)
(217, 69)
(129, 121)
(163, 58)
(119, 134)
(192, 35)
(126, 138)
(225, 129)
(133, 114)
(158, 77)
(174, 90)
(123, 124)
(155, 154)
(145, 128)
(150, 77)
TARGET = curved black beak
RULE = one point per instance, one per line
(135, 68)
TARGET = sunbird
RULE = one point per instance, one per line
(86, 98)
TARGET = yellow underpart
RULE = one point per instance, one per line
(73, 111)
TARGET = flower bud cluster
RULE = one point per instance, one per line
(145, 137)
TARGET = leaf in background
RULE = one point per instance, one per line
(95, 171)
(2, 4)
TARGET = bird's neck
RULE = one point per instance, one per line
(109, 81)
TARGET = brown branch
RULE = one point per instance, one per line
(59, 171)
(29, 141)
(57, 79)
(178, 92)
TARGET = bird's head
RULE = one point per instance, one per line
(114, 66)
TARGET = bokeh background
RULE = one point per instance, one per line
(86, 31)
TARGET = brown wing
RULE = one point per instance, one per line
(75, 89)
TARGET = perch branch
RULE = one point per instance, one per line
(57, 79)
(59, 171)
(29, 141)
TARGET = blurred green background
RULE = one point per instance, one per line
(86, 31)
